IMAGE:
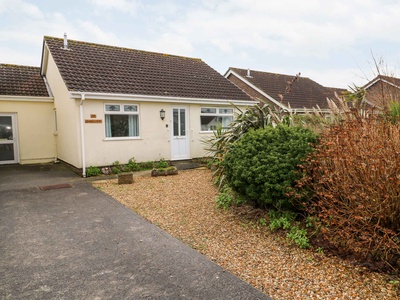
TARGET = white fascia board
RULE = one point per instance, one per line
(380, 79)
(371, 83)
(146, 98)
(230, 72)
(45, 59)
(26, 99)
(391, 83)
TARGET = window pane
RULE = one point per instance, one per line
(112, 107)
(119, 125)
(175, 118)
(226, 120)
(122, 125)
(183, 122)
(207, 110)
(6, 132)
(6, 152)
(226, 111)
(130, 107)
(209, 123)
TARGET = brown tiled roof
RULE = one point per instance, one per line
(21, 81)
(304, 93)
(87, 67)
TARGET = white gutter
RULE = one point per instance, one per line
(82, 136)
(163, 99)
(26, 98)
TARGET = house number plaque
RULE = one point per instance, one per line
(96, 121)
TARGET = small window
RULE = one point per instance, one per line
(226, 111)
(113, 107)
(121, 120)
(208, 110)
(211, 118)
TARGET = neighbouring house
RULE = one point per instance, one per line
(27, 124)
(288, 92)
(107, 104)
(382, 90)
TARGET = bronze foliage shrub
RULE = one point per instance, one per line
(354, 179)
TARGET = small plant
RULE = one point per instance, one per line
(162, 164)
(132, 165)
(148, 165)
(320, 250)
(224, 199)
(262, 222)
(227, 197)
(281, 220)
(115, 170)
(299, 237)
(92, 171)
(286, 220)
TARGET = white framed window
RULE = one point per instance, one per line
(121, 120)
(212, 117)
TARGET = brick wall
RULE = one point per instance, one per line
(382, 94)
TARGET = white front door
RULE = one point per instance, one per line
(180, 133)
(8, 139)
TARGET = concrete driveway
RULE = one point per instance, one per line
(78, 243)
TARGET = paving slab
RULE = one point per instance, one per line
(75, 242)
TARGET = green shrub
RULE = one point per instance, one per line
(147, 165)
(115, 170)
(263, 164)
(92, 171)
(162, 164)
(254, 117)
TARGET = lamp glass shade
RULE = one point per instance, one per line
(162, 114)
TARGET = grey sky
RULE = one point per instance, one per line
(328, 41)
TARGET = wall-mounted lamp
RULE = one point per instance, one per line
(162, 114)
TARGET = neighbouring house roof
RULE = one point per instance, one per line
(394, 81)
(303, 93)
(95, 68)
(18, 80)
(382, 90)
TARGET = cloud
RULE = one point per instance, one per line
(290, 28)
(18, 7)
(125, 6)
(97, 34)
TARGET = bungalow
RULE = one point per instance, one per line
(288, 92)
(111, 104)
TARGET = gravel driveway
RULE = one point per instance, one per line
(184, 206)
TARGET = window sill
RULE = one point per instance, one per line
(121, 139)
